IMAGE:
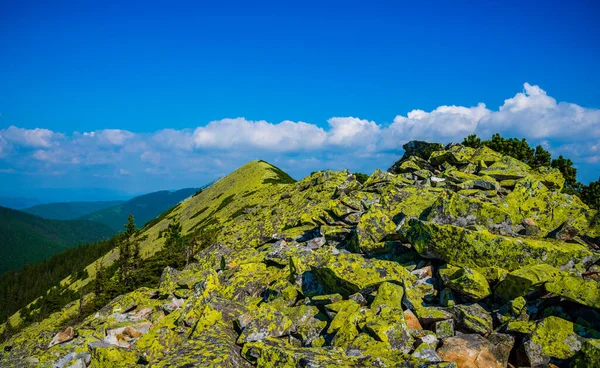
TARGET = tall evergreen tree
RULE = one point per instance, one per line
(129, 252)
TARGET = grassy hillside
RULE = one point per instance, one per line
(69, 210)
(144, 208)
(26, 238)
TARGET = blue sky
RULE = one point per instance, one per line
(101, 83)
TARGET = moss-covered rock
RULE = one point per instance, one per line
(388, 294)
(589, 356)
(347, 273)
(576, 289)
(481, 248)
(474, 318)
(555, 337)
(524, 280)
(373, 227)
(469, 283)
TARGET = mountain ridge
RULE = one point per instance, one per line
(144, 207)
(69, 210)
(330, 271)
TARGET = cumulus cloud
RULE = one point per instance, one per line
(241, 133)
(202, 153)
(445, 123)
(33, 138)
(115, 137)
(353, 132)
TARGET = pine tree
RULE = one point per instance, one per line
(174, 241)
(129, 252)
(130, 225)
(100, 283)
(472, 141)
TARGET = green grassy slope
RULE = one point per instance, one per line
(69, 210)
(26, 238)
(144, 208)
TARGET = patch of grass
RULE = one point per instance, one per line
(249, 193)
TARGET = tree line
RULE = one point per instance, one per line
(537, 157)
(40, 283)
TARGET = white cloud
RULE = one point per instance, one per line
(535, 115)
(33, 138)
(445, 123)
(222, 145)
(152, 157)
(116, 137)
(241, 133)
(352, 132)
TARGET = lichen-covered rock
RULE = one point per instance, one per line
(388, 294)
(555, 337)
(576, 289)
(444, 329)
(348, 273)
(459, 210)
(524, 280)
(481, 248)
(390, 327)
(447, 298)
(589, 356)
(469, 283)
(474, 318)
(373, 227)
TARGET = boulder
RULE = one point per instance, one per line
(473, 318)
(373, 227)
(589, 356)
(555, 337)
(469, 283)
(576, 289)
(388, 294)
(470, 351)
(390, 327)
(480, 248)
(444, 329)
(524, 281)
(67, 335)
(348, 273)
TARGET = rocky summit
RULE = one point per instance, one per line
(454, 257)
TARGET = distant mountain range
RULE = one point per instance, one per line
(69, 210)
(38, 232)
(25, 238)
(144, 208)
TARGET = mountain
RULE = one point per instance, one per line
(17, 203)
(26, 238)
(453, 257)
(69, 210)
(144, 208)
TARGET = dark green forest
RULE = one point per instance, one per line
(25, 238)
